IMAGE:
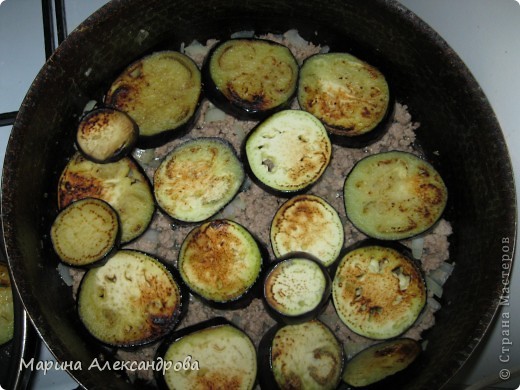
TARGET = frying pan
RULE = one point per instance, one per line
(459, 134)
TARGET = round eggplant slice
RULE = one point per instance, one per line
(213, 354)
(378, 291)
(133, 299)
(307, 223)
(394, 195)
(296, 289)
(161, 92)
(379, 361)
(302, 356)
(351, 97)
(220, 261)
(6, 306)
(197, 179)
(250, 78)
(106, 135)
(288, 152)
(122, 184)
(85, 232)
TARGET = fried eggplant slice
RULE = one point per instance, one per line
(122, 184)
(378, 291)
(161, 92)
(85, 232)
(250, 78)
(394, 195)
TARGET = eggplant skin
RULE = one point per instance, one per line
(122, 184)
(133, 299)
(250, 78)
(378, 290)
(6, 306)
(106, 135)
(197, 179)
(222, 356)
(379, 361)
(161, 92)
(301, 356)
(350, 96)
(394, 195)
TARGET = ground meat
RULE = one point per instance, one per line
(254, 209)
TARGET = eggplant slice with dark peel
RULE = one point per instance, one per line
(85, 232)
(106, 135)
(197, 179)
(302, 356)
(307, 223)
(379, 361)
(133, 299)
(350, 96)
(250, 78)
(394, 195)
(288, 152)
(296, 288)
(213, 354)
(122, 184)
(220, 261)
(161, 92)
(378, 291)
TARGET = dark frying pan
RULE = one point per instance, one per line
(459, 132)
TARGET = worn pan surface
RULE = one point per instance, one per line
(459, 132)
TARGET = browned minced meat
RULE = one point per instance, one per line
(254, 209)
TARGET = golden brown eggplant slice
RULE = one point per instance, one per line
(378, 291)
(197, 179)
(122, 184)
(220, 261)
(161, 92)
(394, 195)
(214, 354)
(296, 288)
(85, 232)
(302, 356)
(250, 78)
(350, 96)
(307, 223)
(132, 299)
(379, 361)
(106, 135)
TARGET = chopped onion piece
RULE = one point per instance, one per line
(63, 270)
(434, 304)
(294, 38)
(144, 156)
(213, 114)
(433, 286)
(440, 275)
(151, 235)
(195, 48)
(89, 106)
(417, 247)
